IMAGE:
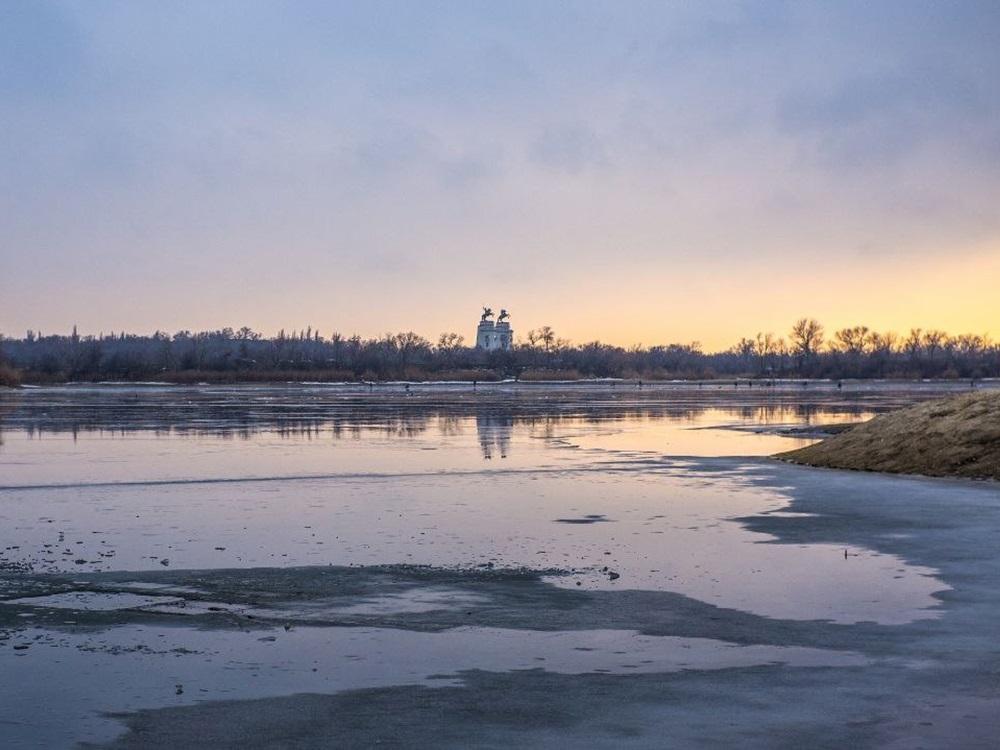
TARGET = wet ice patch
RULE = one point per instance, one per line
(94, 601)
(593, 518)
(143, 586)
(410, 601)
(193, 608)
(141, 666)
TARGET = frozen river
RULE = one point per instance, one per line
(427, 505)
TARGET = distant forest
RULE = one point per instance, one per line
(231, 355)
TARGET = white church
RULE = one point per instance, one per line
(494, 336)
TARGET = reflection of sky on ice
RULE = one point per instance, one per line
(408, 443)
(663, 532)
(451, 489)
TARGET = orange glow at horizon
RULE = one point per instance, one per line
(705, 303)
(957, 296)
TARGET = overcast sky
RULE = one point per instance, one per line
(630, 171)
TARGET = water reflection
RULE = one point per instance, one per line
(494, 432)
(112, 434)
(202, 478)
(304, 414)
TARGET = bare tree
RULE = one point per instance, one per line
(882, 343)
(853, 341)
(764, 347)
(914, 343)
(547, 337)
(806, 339)
(934, 341)
(853, 352)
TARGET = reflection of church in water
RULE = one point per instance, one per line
(494, 434)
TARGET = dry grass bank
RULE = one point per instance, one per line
(540, 375)
(9, 377)
(951, 437)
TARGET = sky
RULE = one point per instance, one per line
(634, 172)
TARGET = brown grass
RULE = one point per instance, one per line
(9, 377)
(542, 375)
(190, 377)
(952, 437)
(465, 375)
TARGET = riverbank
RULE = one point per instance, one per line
(9, 377)
(957, 436)
(535, 377)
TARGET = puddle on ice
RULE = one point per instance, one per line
(414, 600)
(410, 601)
(149, 586)
(592, 518)
(142, 667)
(671, 532)
(93, 601)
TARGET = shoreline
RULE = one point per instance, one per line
(722, 382)
(955, 437)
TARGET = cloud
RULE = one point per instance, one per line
(874, 120)
(418, 142)
(570, 149)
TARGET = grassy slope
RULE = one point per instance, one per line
(952, 437)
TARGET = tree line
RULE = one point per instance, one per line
(246, 355)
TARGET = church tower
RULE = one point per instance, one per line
(494, 336)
